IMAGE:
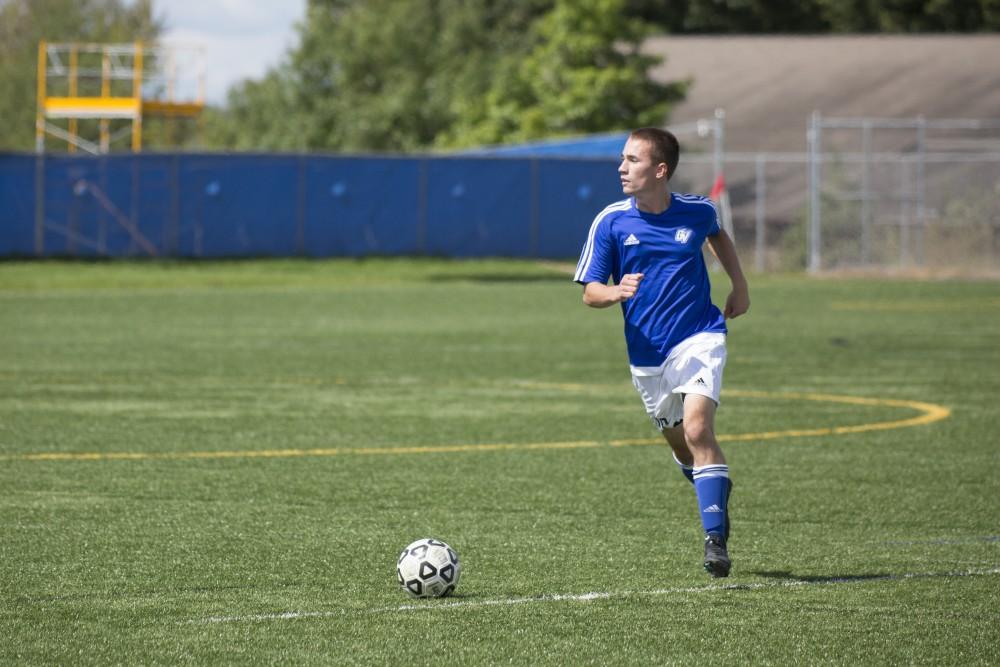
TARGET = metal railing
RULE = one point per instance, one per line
(911, 190)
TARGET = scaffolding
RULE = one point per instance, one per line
(116, 84)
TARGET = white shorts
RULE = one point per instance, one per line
(693, 367)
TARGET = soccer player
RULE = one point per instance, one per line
(650, 245)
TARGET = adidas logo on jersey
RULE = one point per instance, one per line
(712, 508)
(631, 240)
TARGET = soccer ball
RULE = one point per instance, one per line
(428, 568)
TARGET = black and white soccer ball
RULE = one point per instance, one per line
(428, 568)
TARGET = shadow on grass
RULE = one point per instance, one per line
(785, 575)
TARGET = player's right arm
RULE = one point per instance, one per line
(601, 295)
(597, 262)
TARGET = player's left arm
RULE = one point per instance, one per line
(738, 301)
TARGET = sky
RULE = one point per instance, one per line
(241, 38)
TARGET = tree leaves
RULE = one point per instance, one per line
(407, 75)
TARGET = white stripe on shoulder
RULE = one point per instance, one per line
(699, 199)
(588, 248)
(695, 199)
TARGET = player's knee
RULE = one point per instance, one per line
(699, 433)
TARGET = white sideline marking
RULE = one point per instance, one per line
(586, 597)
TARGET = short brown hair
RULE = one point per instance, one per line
(663, 146)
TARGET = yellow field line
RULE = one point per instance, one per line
(293, 453)
(929, 413)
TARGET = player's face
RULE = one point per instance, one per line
(637, 170)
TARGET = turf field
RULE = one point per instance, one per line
(219, 463)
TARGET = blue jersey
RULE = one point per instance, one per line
(673, 301)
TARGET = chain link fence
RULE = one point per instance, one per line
(904, 193)
(869, 194)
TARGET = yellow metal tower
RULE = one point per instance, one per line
(114, 83)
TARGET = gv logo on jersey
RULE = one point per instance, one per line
(683, 235)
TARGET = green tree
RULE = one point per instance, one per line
(258, 115)
(23, 23)
(818, 16)
(911, 16)
(387, 74)
(406, 75)
(583, 72)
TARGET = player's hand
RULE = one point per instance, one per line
(629, 285)
(737, 303)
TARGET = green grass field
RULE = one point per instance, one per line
(219, 463)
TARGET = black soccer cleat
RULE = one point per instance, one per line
(717, 561)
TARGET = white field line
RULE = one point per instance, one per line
(587, 597)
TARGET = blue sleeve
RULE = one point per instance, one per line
(713, 223)
(597, 258)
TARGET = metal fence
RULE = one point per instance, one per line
(903, 193)
(870, 194)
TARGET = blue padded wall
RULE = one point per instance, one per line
(361, 207)
(17, 205)
(248, 205)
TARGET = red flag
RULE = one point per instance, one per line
(718, 188)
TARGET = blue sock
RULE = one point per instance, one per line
(711, 484)
(686, 470)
